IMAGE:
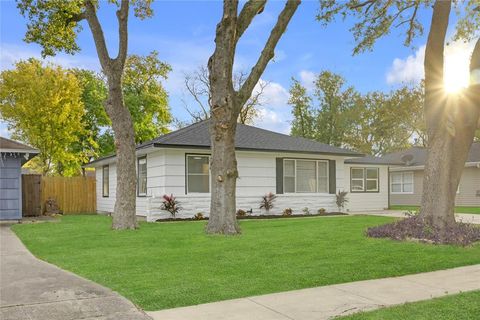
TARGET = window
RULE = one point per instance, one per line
(305, 176)
(364, 180)
(198, 174)
(105, 182)
(142, 177)
(401, 182)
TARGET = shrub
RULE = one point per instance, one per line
(287, 212)
(411, 213)
(241, 213)
(267, 201)
(321, 211)
(341, 200)
(198, 216)
(171, 204)
(306, 211)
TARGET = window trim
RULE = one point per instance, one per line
(107, 181)
(316, 175)
(365, 179)
(138, 177)
(402, 173)
(187, 155)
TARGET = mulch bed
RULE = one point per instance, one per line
(260, 217)
(419, 229)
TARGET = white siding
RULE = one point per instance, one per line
(364, 201)
(257, 176)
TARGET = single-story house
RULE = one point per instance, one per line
(301, 172)
(13, 155)
(406, 179)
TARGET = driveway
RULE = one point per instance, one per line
(31, 289)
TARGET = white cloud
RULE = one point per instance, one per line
(12, 53)
(307, 78)
(457, 59)
(275, 113)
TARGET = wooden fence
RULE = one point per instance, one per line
(72, 194)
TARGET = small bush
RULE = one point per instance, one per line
(287, 212)
(267, 201)
(321, 211)
(241, 213)
(306, 211)
(341, 200)
(171, 204)
(411, 213)
(198, 216)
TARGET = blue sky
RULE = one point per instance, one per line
(183, 34)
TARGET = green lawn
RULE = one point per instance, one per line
(165, 265)
(456, 307)
(474, 210)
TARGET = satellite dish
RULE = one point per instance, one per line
(407, 159)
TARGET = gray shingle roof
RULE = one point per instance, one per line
(247, 138)
(10, 145)
(418, 156)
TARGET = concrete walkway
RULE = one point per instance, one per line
(31, 289)
(336, 300)
(460, 217)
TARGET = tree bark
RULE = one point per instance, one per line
(124, 215)
(451, 124)
(226, 104)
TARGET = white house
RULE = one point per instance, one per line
(302, 173)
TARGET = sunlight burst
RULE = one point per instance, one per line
(456, 75)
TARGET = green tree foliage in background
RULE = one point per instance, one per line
(43, 107)
(374, 123)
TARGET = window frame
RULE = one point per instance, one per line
(365, 179)
(138, 177)
(402, 183)
(317, 161)
(106, 181)
(187, 155)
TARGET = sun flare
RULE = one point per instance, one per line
(456, 76)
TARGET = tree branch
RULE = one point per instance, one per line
(98, 37)
(268, 51)
(122, 16)
(249, 11)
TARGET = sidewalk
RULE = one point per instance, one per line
(336, 300)
(460, 217)
(31, 289)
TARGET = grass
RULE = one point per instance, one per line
(454, 307)
(474, 210)
(165, 265)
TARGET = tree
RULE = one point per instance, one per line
(226, 103)
(450, 121)
(303, 118)
(43, 107)
(55, 25)
(145, 96)
(198, 86)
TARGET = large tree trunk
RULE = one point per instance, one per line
(124, 216)
(451, 124)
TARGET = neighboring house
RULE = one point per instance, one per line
(12, 156)
(406, 179)
(303, 173)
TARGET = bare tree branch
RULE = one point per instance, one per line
(98, 36)
(268, 52)
(122, 16)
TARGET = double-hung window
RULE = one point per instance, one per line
(364, 179)
(305, 176)
(105, 181)
(142, 177)
(198, 174)
(401, 182)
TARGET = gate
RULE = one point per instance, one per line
(32, 195)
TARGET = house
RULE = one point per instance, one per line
(13, 155)
(406, 179)
(301, 172)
